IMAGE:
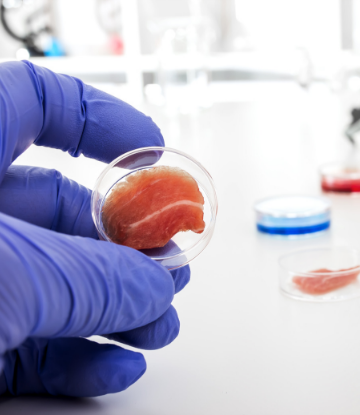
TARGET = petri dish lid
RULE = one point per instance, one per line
(292, 206)
(293, 215)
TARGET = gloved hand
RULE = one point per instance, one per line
(58, 283)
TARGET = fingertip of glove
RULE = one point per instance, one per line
(152, 336)
(125, 129)
(153, 132)
(132, 368)
(96, 369)
(181, 277)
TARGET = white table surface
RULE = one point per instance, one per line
(244, 348)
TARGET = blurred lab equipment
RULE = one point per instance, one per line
(110, 18)
(182, 74)
(341, 177)
(293, 216)
(354, 126)
(35, 30)
(344, 176)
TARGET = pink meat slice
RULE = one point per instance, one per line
(326, 283)
(150, 206)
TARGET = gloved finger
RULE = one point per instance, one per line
(69, 366)
(155, 335)
(181, 277)
(48, 199)
(59, 111)
(55, 285)
(162, 331)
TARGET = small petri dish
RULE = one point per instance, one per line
(322, 274)
(184, 246)
(292, 216)
(340, 178)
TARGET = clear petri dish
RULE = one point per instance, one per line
(322, 274)
(340, 177)
(184, 246)
(293, 216)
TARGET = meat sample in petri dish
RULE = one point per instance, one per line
(326, 281)
(148, 207)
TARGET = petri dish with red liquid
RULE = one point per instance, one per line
(147, 169)
(321, 274)
(340, 178)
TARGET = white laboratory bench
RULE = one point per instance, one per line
(244, 348)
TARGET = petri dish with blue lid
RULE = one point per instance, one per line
(293, 216)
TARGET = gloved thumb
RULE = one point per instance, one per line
(56, 285)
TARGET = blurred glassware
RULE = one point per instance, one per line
(306, 70)
(110, 18)
(235, 35)
(182, 75)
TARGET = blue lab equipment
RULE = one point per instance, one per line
(292, 215)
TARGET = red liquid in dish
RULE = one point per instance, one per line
(341, 185)
(149, 207)
(346, 180)
(328, 282)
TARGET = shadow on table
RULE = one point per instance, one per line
(39, 405)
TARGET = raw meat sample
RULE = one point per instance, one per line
(150, 206)
(325, 283)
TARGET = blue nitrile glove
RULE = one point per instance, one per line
(58, 283)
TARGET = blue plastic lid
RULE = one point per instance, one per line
(292, 215)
